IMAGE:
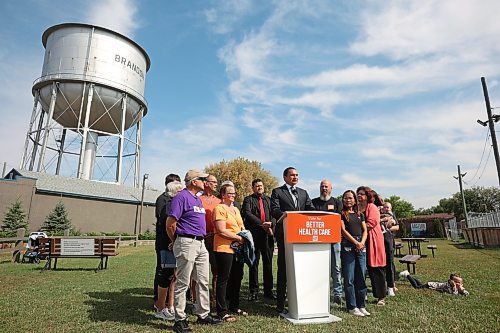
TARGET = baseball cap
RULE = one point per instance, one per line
(193, 174)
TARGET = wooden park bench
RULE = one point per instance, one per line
(410, 259)
(433, 248)
(97, 248)
(397, 248)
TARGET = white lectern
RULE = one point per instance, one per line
(308, 238)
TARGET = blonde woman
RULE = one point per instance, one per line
(227, 224)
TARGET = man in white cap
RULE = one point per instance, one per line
(186, 227)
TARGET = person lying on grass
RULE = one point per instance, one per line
(454, 286)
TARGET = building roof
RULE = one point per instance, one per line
(436, 216)
(67, 186)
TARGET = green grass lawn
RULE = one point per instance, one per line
(76, 299)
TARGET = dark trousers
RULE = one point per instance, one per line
(264, 247)
(416, 283)
(390, 268)
(229, 276)
(377, 278)
(281, 279)
(157, 274)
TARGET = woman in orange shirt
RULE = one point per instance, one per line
(227, 224)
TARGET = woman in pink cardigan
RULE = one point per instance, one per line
(368, 201)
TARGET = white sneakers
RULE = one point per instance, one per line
(357, 312)
(363, 311)
(390, 292)
(165, 314)
(404, 274)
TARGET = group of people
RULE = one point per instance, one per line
(199, 231)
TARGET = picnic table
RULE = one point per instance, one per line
(414, 244)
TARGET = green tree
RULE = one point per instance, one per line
(241, 172)
(58, 219)
(15, 217)
(400, 207)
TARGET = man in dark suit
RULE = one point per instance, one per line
(258, 219)
(288, 197)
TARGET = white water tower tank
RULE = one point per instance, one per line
(92, 85)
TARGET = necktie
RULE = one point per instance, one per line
(296, 195)
(262, 211)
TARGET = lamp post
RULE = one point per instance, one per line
(142, 201)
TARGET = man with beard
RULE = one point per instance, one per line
(325, 202)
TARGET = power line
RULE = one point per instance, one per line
(482, 155)
(484, 167)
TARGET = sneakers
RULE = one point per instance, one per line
(363, 311)
(356, 312)
(165, 314)
(181, 326)
(252, 297)
(208, 320)
(390, 292)
(337, 300)
(404, 274)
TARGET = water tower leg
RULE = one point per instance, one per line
(85, 131)
(138, 150)
(89, 155)
(30, 130)
(61, 151)
(37, 140)
(120, 141)
(47, 127)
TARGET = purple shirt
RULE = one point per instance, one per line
(189, 212)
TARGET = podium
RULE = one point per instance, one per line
(308, 236)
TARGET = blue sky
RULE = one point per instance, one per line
(378, 93)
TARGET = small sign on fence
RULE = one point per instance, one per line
(418, 229)
(77, 247)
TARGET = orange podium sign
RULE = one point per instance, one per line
(313, 227)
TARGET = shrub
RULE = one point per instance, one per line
(148, 235)
(15, 218)
(57, 221)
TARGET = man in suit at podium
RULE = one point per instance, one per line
(286, 198)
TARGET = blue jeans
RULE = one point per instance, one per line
(354, 271)
(336, 270)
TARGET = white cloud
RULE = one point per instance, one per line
(117, 15)
(226, 14)
(409, 29)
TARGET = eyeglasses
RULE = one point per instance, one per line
(203, 179)
(361, 193)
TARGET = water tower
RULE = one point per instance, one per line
(88, 105)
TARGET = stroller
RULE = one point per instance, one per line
(32, 255)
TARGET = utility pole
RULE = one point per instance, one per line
(460, 175)
(491, 119)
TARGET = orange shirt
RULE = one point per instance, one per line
(209, 203)
(234, 222)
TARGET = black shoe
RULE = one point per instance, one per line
(270, 295)
(208, 320)
(181, 326)
(252, 297)
(337, 300)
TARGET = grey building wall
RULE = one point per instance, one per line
(87, 212)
